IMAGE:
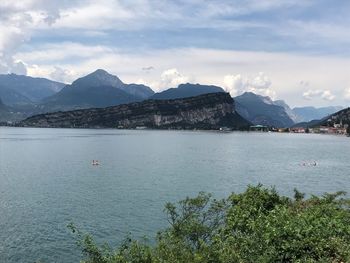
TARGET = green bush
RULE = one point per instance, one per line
(258, 225)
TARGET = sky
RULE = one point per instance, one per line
(298, 51)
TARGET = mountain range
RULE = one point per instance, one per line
(206, 112)
(96, 90)
(262, 110)
(24, 96)
(21, 90)
(306, 114)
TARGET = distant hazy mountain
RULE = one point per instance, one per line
(18, 89)
(288, 110)
(8, 114)
(97, 89)
(138, 90)
(186, 90)
(262, 110)
(342, 116)
(306, 114)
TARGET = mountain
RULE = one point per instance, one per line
(306, 114)
(262, 110)
(138, 90)
(3, 107)
(7, 114)
(3, 112)
(287, 109)
(307, 124)
(209, 111)
(97, 89)
(185, 91)
(101, 78)
(19, 89)
(341, 117)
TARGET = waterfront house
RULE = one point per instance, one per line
(260, 128)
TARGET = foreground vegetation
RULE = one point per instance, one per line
(258, 225)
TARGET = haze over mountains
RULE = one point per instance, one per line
(23, 96)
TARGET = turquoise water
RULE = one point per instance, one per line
(47, 180)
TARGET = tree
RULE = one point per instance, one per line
(258, 225)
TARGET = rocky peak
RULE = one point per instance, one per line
(98, 78)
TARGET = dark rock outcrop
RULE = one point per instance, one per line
(209, 111)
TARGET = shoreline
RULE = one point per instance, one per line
(164, 129)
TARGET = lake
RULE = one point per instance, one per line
(47, 180)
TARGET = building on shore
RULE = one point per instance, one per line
(298, 130)
(259, 128)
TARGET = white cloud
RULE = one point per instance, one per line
(65, 51)
(317, 31)
(233, 84)
(63, 75)
(95, 15)
(260, 84)
(324, 94)
(17, 20)
(347, 94)
(327, 95)
(170, 78)
(309, 94)
(131, 15)
(57, 73)
(19, 67)
(39, 71)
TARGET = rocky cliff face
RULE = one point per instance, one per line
(209, 111)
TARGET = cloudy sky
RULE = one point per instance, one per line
(298, 51)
